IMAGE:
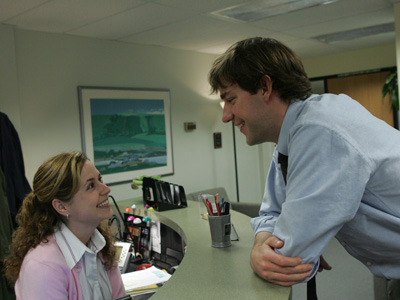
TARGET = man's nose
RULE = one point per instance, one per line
(227, 114)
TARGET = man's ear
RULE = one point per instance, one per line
(266, 85)
(60, 207)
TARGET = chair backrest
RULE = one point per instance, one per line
(218, 190)
(250, 209)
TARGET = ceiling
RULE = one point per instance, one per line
(189, 24)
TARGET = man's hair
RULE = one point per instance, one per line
(246, 62)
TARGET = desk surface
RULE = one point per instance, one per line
(212, 273)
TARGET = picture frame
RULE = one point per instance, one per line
(126, 132)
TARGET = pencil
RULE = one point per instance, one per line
(208, 208)
(216, 197)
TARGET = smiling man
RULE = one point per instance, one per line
(334, 171)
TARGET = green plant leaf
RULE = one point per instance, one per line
(385, 90)
(395, 100)
(390, 78)
(391, 88)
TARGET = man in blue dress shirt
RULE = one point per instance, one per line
(343, 166)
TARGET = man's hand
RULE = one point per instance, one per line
(323, 264)
(273, 267)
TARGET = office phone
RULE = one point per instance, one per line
(123, 255)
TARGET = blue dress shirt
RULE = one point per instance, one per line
(343, 181)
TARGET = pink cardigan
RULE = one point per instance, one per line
(45, 275)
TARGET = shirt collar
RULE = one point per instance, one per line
(73, 249)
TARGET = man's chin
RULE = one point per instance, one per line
(252, 142)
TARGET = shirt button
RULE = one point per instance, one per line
(369, 263)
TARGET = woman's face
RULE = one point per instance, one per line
(89, 206)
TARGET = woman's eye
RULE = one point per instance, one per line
(90, 186)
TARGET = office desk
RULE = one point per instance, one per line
(212, 273)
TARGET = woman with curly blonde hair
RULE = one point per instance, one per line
(63, 247)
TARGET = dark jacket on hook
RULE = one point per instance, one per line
(12, 164)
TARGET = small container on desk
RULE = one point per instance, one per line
(162, 195)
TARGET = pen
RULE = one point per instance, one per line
(218, 209)
(209, 208)
(226, 208)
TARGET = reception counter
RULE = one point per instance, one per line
(206, 272)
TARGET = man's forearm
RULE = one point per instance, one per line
(274, 267)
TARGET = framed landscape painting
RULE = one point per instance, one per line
(126, 132)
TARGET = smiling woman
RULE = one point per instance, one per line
(62, 236)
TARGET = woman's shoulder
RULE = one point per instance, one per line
(46, 252)
(45, 271)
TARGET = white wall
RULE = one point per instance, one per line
(38, 91)
(351, 61)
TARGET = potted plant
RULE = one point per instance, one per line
(391, 88)
(138, 181)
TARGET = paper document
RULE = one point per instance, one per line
(152, 275)
(155, 233)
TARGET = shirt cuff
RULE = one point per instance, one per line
(313, 272)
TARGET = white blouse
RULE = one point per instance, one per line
(93, 277)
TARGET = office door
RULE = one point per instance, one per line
(366, 89)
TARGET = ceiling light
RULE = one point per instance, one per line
(261, 9)
(355, 33)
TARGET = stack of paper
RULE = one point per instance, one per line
(143, 278)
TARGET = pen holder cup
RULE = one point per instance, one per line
(220, 228)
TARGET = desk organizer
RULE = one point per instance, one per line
(162, 195)
(139, 233)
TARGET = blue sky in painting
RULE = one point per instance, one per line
(126, 106)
